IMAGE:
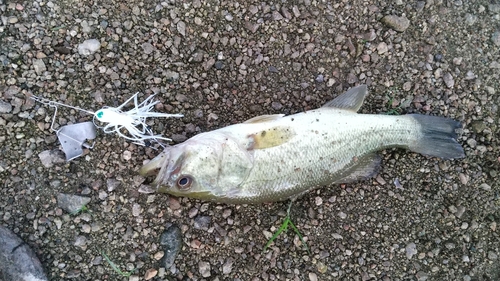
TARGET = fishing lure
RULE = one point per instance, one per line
(133, 120)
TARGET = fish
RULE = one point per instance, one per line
(276, 157)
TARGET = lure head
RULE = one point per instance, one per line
(208, 166)
(114, 117)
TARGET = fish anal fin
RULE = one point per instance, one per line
(264, 118)
(351, 100)
(270, 137)
(362, 168)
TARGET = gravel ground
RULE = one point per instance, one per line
(220, 63)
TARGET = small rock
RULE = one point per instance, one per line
(382, 48)
(51, 157)
(470, 19)
(492, 255)
(39, 66)
(147, 48)
(5, 107)
(276, 105)
(495, 38)
(411, 249)
(313, 276)
(422, 276)
(296, 66)
(89, 47)
(127, 155)
(397, 23)
(227, 267)
(219, 65)
(150, 273)
(204, 269)
(71, 203)
(485, 186)
(80, 241)
(448, 80)
(342, 215)
(136, 210)
(171, 240)
(112, 184)
(202, 222)
(171, 75)
(181, 28)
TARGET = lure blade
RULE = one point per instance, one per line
(73, 137)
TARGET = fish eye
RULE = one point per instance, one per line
(184, 182)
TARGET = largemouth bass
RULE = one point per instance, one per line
(275, 157)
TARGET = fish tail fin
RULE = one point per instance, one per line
(438, 137)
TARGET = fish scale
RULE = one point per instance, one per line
(276, 157)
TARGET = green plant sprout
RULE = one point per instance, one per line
(115, 267)
(58, 27)
(284, 227)
(84, 208)
(393, 111)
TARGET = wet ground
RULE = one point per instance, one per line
(223, 62)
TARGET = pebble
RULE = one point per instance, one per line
(80, 241)
(181, 28)
(397, 23)
(227, 267)
(150, 274)
(5, 107)
(485, 186)
(448, 80)
(313, 276)
(382, 48)
(492, 255)
(147, 48)
(204, 269)
(136, 210)
(51, 157)
(112, 184)
(127, 155)
(202, 222)
(89, 47)
(39, 66)
(71, 203)
(171, 240)
(495, 38)
(411, 250)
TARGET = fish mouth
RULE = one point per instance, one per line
(153, 167)
(202, 195)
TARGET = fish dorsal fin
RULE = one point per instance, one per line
(270, 137)
(350, 100)
(264, 118)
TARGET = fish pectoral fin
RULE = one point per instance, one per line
(362, 168)
(270, 137)
(264, 118)
(351, 100)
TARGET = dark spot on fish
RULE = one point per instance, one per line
(320, 158)
(355, 159)
(293, 119)
(317, 120)
(263, 134)
(296, 169)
